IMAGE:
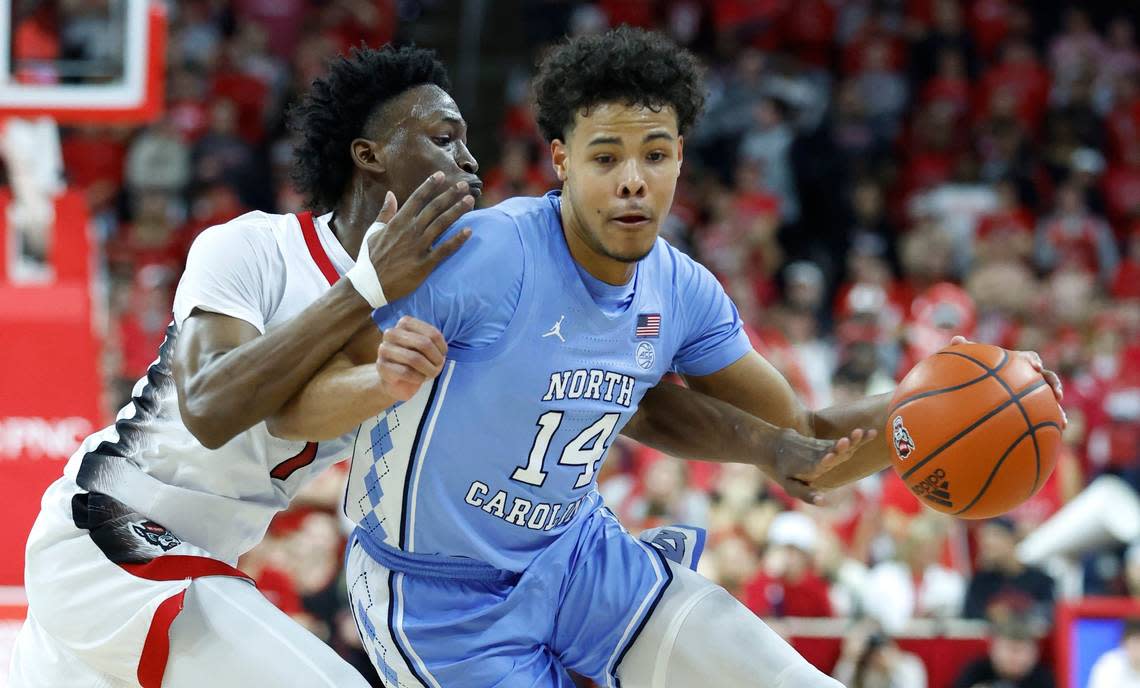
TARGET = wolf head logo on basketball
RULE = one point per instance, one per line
(904, 443)
(156, 535)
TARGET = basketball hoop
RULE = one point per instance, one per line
(132, 97)
(37, 91)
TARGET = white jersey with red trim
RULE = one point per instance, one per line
(263, 269)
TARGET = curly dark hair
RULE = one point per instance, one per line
(340, 105)
(625, 65)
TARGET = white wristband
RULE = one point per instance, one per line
(363, 275)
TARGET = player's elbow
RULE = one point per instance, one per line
(284, 426)
(209, 427)
(206, 432)
(294, 424)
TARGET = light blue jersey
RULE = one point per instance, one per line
(499, 456)
(483, 554)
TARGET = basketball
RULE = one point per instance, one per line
(974, 430)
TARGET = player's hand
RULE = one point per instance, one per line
(1034, 359)
(412, 353)
(403, 254)
(798, 461)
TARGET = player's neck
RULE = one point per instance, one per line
(353, 216)
(595, 262)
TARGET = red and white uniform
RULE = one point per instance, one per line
(144, 513)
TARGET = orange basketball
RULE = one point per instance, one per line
(974, 430)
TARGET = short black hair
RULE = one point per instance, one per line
(339, 106)
(625, 65)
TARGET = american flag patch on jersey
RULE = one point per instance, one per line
(648, 325)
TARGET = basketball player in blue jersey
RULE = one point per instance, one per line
(130, 567)
(483, 555)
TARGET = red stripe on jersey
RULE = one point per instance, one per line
(156, 648)
(313, 241)
(180, 567)
(289, 466)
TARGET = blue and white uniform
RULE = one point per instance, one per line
(483, 554)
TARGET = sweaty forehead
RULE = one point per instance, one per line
(417, 106)
(620, 119)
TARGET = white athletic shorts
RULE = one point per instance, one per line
(105, 586)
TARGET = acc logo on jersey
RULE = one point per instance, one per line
(156, 535)
(645, 355)
(904, 443)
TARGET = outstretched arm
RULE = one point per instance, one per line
(753, 385)
(685, 423)
(449, 309)
(230, 376)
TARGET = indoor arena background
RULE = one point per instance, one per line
(869, 178)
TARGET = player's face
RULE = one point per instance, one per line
(428, 134)
(619, 166)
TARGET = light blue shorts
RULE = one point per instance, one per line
(579, 607)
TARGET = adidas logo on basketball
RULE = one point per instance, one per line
(934, 488)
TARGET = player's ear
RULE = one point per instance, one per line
(680, 152)
(368, 155)
(558, 155)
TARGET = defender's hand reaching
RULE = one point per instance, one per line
(412, 352)
(798, 461)
(399, 250)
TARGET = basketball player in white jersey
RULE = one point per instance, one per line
(152, 513)
(130, 566)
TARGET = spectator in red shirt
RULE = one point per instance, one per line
(516, 174)
(1074, 237)
(787, 584)
(880, 28)
(1006, 234)
(809, 29)
(1123, 121)
(1127, 282)
(247, 93)
(36, 45)
(152, 238)
(950, 85)
(142, 315)
(1022, 78)
(94, 158)
(1121, 186)
(990, 24)
(186, 106)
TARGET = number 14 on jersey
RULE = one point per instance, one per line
(585, 450)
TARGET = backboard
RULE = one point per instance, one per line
(82, 61)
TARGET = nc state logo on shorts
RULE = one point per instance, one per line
(156, 535)
(904, 443)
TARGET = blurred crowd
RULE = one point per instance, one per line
(870, 177)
